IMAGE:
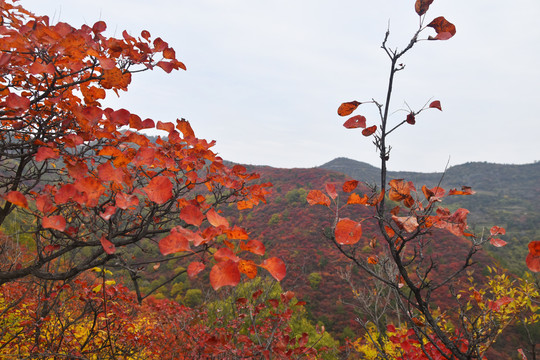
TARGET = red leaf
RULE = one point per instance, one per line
(436, 104)
(174, 242)
(124, 201)
(99, 26)
(215, 219)
(350, 185)
(166, 66)
(56, 222)
(192, 214)
(109, 211)
(276, 267)
(159, 190)
(422, 6)
(411, 119)
(534, 248)
(357, 121)
(107, 245)
(44, 204)
(194, 268)
(347, 108)
(445, 30)
(496, 230)
(224, 273)
(316, 197)
(497, 242)
(17, 199)
(348, 232)
(533, 262)
(254, 246)
(145, 34)
(106, 172)
(225, 254)
(45, 153)
(370, 130)
(331, 190)
(15, 101)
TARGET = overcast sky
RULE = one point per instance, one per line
(265, 78)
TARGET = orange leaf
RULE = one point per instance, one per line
(436, 104)
(115, 78)
(174, 242)
(355, 122)
(224, 273)
(56, 222)
(399, 190)
(356, 199)
(316, 197)
(350, 185)
(373, 260)
(184, 127)
(409, 223)
(465, 190)
(422, 6)
(248, 267)
(347, 108)
(276, 268)
(254, 246)
(215, 219)
(17, 199)
(159, 190)
(237, 233)
(107, 245)
(348, 232)
(369, 131)
(194, 268)
(444, 29)
(389, 231)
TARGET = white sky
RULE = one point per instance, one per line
(265, 78)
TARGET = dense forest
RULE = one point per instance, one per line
(118, 245)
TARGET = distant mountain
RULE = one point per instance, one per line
(506, 195)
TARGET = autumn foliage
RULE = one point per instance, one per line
(93, 185)
(405, 273)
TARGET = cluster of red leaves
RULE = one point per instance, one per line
(418, 217)
(86, 175)
(89, 318)
(412, 349)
